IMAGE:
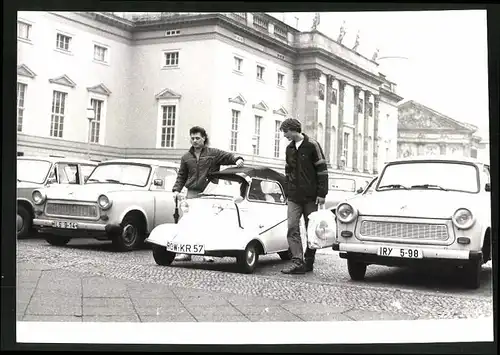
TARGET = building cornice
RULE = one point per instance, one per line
(390, 94)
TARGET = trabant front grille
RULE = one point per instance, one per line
(405, 231)
(71, 210)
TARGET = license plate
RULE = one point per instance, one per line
(186, 248)
(411, 253)
(64, 224)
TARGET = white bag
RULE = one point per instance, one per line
(321, 229)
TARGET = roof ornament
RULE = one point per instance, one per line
(356, 44)
(342, 32)
(316, 21)
(375, 54)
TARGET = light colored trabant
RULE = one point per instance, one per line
(432, 209)
(343, 188)
(123, 200)
(38, 172)
(242, 213)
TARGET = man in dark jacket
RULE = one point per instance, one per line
(307, 182)
(196, 164)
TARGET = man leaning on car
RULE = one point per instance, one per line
(195, 166)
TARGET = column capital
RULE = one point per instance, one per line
(376, 99)
(330, 79)
(313, 74)
(296, 76)
(342, 83)
(357, 90)
(368, 94)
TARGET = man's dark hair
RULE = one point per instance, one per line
(291, 124)
(200, 130)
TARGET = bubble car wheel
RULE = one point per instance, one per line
(162, 256)
(248, 259)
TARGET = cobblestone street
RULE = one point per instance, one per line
(93, 283)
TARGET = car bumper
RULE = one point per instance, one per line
(85, 229)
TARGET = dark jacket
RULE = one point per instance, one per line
(193, 173)
(306, 171)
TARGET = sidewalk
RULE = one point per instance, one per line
(45, 294)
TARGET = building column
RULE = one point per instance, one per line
(355, 152)
(442, 149)
(340, 128)
(328, 118)
(296, 79)
(365, 132)
(311, 104)
(376, 103)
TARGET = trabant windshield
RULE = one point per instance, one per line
(341, 184)
(222, 187)
(34, 171)
(439, 175)
(121, 173)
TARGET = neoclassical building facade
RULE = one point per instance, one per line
(149, 78)
(424, 131)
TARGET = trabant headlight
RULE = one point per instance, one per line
(184, 206)
(38, 197)
(346, 213)
(104, 202)
(463, 218)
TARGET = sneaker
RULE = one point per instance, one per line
(183, 257)
(208, 259)
(309, 267)
(294, 269)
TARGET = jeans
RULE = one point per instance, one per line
(295, 211)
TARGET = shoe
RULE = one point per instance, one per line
(208, 259)
(309, 267)
(183, 257)
(294, 269)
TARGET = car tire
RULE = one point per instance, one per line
(472, 271)
(57, 241)
(356, 269)
(25, 221)
(162, 256)
(132, 235)
(285, 255)
(248, 259)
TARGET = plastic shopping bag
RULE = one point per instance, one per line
(321, 229)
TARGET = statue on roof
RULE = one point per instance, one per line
(316, 21)
(342, 33)
(356, 44)
(375, 55)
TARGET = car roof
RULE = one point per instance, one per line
(166, 163)
(262, 172)
(59, 159)
(453, 158)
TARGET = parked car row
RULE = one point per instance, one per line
(416, 211)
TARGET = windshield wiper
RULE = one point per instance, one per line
(92, 179)
(394, 186)
(429, 186)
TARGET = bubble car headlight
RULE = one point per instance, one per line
(463, 218)
(104, 202)
(184, 206)
(346, 213)
(38, 197)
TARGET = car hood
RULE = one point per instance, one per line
(27, 185)
(86, 192)
(334, 197)
(413, 203)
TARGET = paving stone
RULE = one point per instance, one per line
(322, 317)
(167, 318)
(137, 290)
(203, 301)
(276, 317)
(65, 286)
(60, 306)
(360, 315)
(153, 306)
(311, 308)
(132, 318)
(238, 300)
(213, 310)
(108, 306)
(28, 276)
(102, 287)
(221, 318)
(49, 318)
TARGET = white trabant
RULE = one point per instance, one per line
(242, 213)
(122, 200)
(429, 209)
(34, 172)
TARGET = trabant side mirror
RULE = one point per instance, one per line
(360, 190)
(51, 180)
(237, 199)
(487, 187)
(158, 182)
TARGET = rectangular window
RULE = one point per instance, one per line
(100, 53)
(234, 130)
(256, 148)
(280, 79)
(63, 42)
(237, 63)
(95, 124)
(346, 147)
(168, 126)
(360, 105)
(277, 136)
(21, 94)
(171, 59)
(58, 111)
(23, 30)
(260, 72)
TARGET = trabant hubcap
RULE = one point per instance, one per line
(129, 234)
(250, 256)
(20, 222)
